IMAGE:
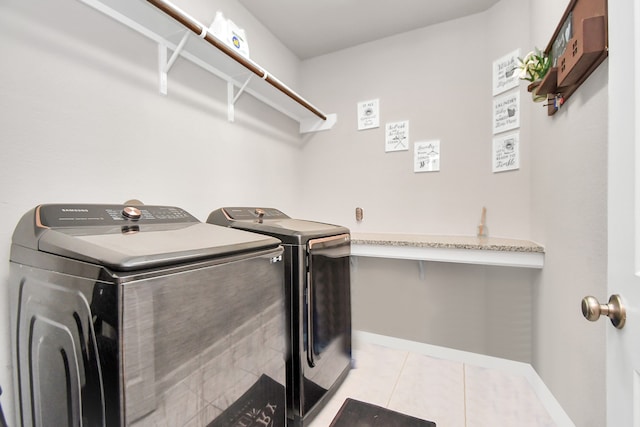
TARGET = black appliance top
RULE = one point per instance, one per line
(275, 223)
(128, 238)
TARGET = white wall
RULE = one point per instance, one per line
(81, 120)
(569, 206)
(439, 79)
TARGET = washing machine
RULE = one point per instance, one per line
(145, 316)
(317, 279)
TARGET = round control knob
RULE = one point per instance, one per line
(131, 212)
(260, 213)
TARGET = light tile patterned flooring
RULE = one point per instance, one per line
(449, 387)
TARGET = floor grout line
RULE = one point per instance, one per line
(395, 385)
(464, 392)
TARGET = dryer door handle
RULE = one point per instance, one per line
(309, 301)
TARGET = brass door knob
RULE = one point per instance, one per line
(614, 310)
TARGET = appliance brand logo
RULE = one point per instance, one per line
(275, 259)
(75, 210)
(258, 417)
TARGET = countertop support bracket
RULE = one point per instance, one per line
(421, 269)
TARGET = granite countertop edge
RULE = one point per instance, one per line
(446, 242)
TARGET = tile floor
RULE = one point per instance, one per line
(450, 387)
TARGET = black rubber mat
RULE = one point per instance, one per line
(354, 413)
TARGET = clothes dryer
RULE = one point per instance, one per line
(143, 315)
(317, 278)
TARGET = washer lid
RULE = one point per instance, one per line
(274, 223)
(130, 237)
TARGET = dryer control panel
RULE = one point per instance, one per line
(243, 214)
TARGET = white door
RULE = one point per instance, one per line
(623, 345)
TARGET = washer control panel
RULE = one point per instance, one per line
(68, 215)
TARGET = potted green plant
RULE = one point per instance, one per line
(533, 67)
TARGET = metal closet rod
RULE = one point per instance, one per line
(199, 29)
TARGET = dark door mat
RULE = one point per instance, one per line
(354, 413)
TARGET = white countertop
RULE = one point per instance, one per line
(461, 249)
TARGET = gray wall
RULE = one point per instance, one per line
(486, 310)
(557, 198)
(438, 78)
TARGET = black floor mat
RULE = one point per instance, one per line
(354, 413)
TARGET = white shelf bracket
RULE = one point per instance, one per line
(165, 65)
(232, 97)
(315, 124)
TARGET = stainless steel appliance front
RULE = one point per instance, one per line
(325, 310)
(198, 342)
(317, 277)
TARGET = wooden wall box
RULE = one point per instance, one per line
(549, 83)
(582, 51)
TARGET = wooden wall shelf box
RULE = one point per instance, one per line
(583, 52)
(549, 83)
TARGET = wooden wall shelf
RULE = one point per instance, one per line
(549, 83)
(578, 46)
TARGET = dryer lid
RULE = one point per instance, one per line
(130, 237)
(274, 223)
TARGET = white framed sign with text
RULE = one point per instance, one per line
(396, 136)
(506, 152)
(505, 72)
(368, 114)
(426, 156)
